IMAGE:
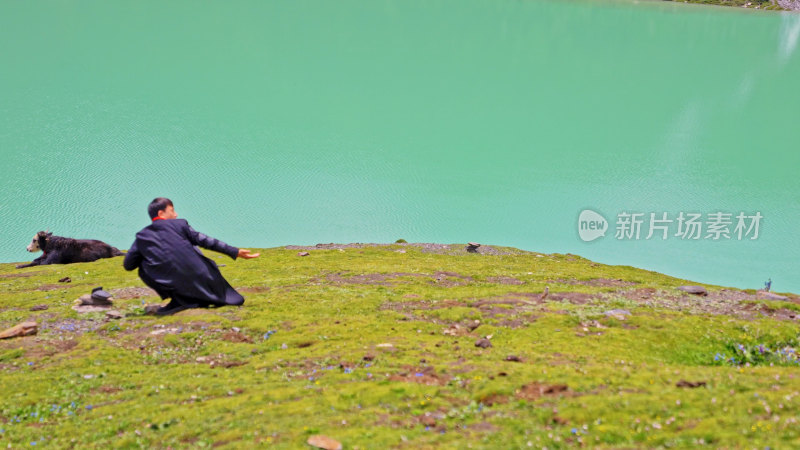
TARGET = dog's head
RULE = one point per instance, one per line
(39, 241)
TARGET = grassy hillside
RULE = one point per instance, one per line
(375, 346)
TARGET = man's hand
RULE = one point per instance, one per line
(245, 253)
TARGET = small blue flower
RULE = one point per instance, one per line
(574, 431)
(419, 374)
(30, 363)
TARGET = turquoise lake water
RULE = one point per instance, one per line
(273, 123)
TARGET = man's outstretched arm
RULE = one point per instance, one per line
(216, 245)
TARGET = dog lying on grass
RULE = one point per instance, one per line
(63, 250)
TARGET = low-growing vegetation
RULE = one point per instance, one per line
(400, 346)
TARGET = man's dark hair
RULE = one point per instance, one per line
(158, 204)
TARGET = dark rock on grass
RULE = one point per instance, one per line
(690, 384)
(65, 280)
(100, 297)
(472, 247)
(483, 343)
(513, 358)
(41, 307)
(695, 290)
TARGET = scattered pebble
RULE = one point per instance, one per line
(483, 343)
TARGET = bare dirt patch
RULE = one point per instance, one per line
(425, 375)
(382, 279)
(535, 391)
(253, 289)
(596, 282)
(236, 337)
(505, 280)
(425, 247)
(21, 274)
(576, 298)
(731, 302)
(450, 279)
(128, 293)
(36, 348)
(51, 287)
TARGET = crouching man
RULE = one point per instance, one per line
(166, 254)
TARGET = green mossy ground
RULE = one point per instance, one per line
(309, 355)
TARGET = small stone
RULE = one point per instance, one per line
(114, 314)
(385, 345)
(65, 280)
(41, 307)
(324, 442)
(513, 358)
(428, 421)
(284, 346)
(201, 359)
(690, 384)
(483, 343)
(23, 329)
(303, 254)
(236, 329)
(696, 290)
(151, 309)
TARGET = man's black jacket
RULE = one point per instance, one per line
(169, 262)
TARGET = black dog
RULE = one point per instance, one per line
(62, 250)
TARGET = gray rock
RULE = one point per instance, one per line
(696, 290)
(114, 314)
(483, 343)
(303, 254)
